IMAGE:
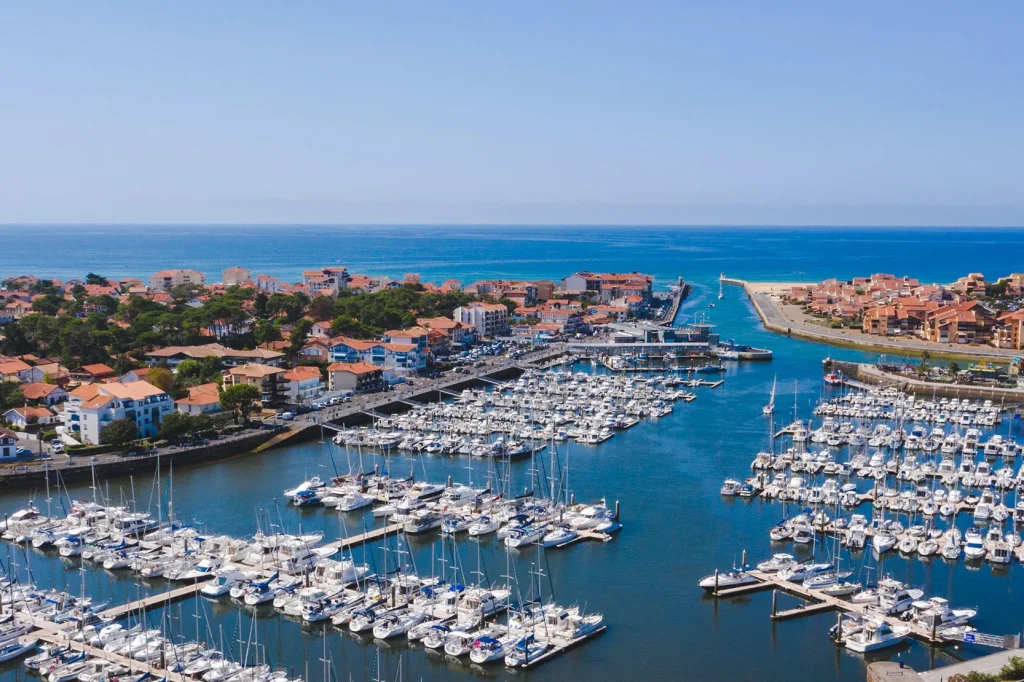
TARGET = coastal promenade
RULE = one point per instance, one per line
(791, 321)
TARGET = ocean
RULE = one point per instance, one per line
(666, 473)
(471, 253)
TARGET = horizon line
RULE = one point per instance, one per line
(914, 226)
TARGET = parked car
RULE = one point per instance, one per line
(287, 416)
(23, 452)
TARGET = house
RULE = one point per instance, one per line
(15, 370)
(1014, 284)
(396, 356)
(165, 280)
(44, 394)
(413, 336)
(15, 310)
(269, 380)
(50, 371)
(458, 334)
(1009, 331)
(328, 280)
(970, 285)
(91, 407)
(173, 355)
(235, 276)
(202, 399)
(269, 285)
(967, 322)
(23, 417)
(610, 285)
(8, 444)
(303, 384)
(320, 330)
(90, 373)
(488, 319)
(140, 374)
(316, 350)
(359, 377)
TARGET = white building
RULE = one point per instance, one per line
(91, 407)
(235, 276)
(165, 280)
(269, 285)
(328, 280)
(489, 319)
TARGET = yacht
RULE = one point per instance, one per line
(733, 578)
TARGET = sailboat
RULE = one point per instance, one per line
(770, 407)
(720, 294)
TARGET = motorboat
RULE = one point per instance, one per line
(876, 634)
(733, 578)
(778, 562)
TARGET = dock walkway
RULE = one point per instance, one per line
(818, 603)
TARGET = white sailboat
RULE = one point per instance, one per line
(720, 294)
(770, 407)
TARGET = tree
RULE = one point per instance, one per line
(322, 308)
(10, 395)
(954, 367)
(93, 278)
(509, 304)
(267, 331)
(119, 432)
(162, 379)
(298, 337)
(240, 399)
(176, 427)
(190, 368)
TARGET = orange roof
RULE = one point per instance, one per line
(204, 394)
(255, 371)
(353, 367)
(38, 391)
(13, 366)
(29, 412)
(302, 372)
(97, 369)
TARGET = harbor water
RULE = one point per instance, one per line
(666, 473)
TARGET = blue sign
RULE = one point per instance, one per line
(969, 637)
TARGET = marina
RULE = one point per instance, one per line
(663, 469)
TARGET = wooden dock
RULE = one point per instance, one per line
(51, 633)
(817, 602)
(155, 601)
(363, 538)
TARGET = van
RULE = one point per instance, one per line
(287, 416)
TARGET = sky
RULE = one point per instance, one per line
(532, 112)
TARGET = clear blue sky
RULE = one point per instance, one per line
(513, 112)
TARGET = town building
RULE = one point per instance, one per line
(235, 276)
(359, 377)
(967, 322)
(1009, 331)
(173, 355)
(44, 394)
(165, 280)
(91, 407)
(90, 373)
(268, 379)
(8, 444)
(269, 285)
(402, 357)
(15, 370)
(458, 333)
(608, 286)
(202, 399)
(23, 417)
(488, 319)
(303, 384)
(327, 280)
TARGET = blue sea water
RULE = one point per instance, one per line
(665, 473)
(471, 253)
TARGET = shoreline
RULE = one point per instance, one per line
(776, 320)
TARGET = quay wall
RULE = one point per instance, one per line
(869, 374)
(109, 466)
(677, 300)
